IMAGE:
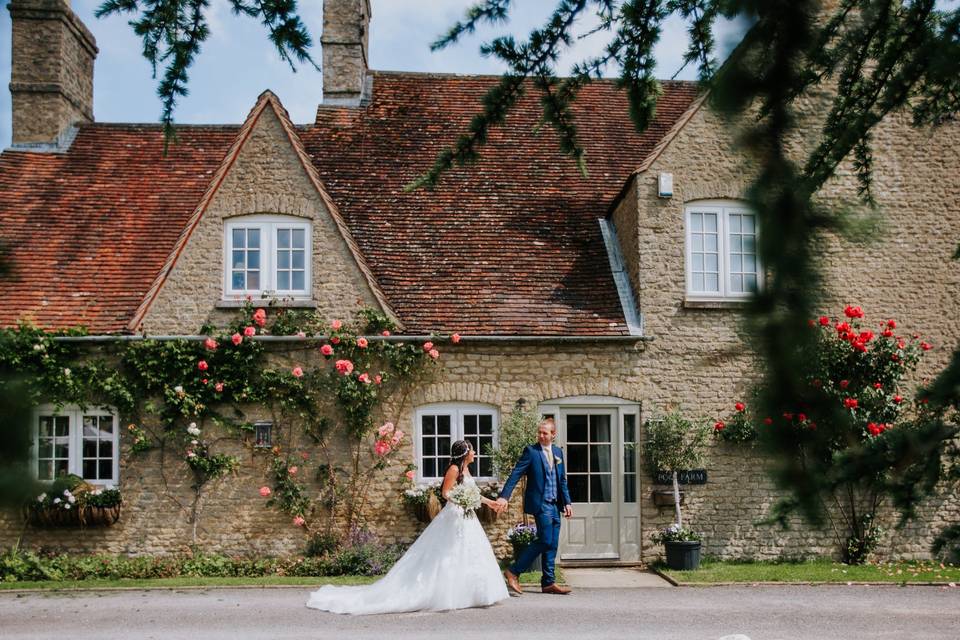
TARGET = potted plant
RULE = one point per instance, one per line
(673, 445)
(520, 536)
(422, 501)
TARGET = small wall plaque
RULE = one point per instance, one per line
(691, 476)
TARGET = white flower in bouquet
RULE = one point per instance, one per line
(71, 499)
(66, 506)
(193, 429)
(467, 497)
(57, 501)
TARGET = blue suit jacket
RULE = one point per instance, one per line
(534, 467)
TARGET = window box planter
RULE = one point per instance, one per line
(427, 511)
(683, 555)
(664, 497)
(88, 516)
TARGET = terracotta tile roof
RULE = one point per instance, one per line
(510, 245)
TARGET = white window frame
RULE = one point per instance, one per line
(724, 209)
(268, 226)
(75, 441)
(456, 411)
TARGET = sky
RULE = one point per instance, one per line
(237, 62)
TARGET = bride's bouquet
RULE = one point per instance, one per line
(467, 497)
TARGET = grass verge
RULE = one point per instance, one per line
(814, 572)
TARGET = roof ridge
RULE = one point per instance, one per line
(468, 76)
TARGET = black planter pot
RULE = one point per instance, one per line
(683, 555)
(518, 549)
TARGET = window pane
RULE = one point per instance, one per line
(428, 425)
(106, 469)
(600, 458)
(239, 239)
(629, 428)
(299, 281)
(430, 468)
(443, 425)
(61, 467)
(747, 223)
(45, 449)
(736, 244)
(106, 448)
(577, 428)
(697, 242)
(283, 280)
(61, 450)
(749, 244)
(90, 469)
(710, 222)
(46, 426)
(600, 429)
(429, 447)
(713, 263)
(45, 469)
(62, 426)
(238, 281)
(253, 259)
(734, 224)
(710, 242)
(600, 489)
(89, 448)
(576, 457)
(630, 488)
(750, 282)
(736, 283)
(698, 282)
(697, 263)
(711, 282)
(736, 264)
(298, 259)
(696, 222)
(238, 259)
(486, 424)
(106, 426)
(299, 239)
(469, 424)
(486, 467)
(253, 280)
(283, 259)
(750, 263)
(253, 238)
(577, 485)
(283, 238)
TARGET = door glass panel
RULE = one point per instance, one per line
(600, 488)
(577, 458)
(589, 458)
(577, 428)
(578, 488)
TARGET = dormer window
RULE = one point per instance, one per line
(721, 257)
(267, 256)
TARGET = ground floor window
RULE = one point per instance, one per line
(84, 442)
(439, 426)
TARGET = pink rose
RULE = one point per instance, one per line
(260, 317)
(202, 365)
(344, 367)
(427, 346)
(397, 437)
(381, 448)
(297, 372)
(335, 340)
(378, 378)
(250, 332)
(385, 333)
(455, 338)
(236, 338)
(335, 325)
(264, 491)
(433, 353)
(385, 429)
(305, 455)
(362, 343)
(218, 387)
(411, 474)
(326, 350)
(364, 378)
(299, 521)
(210, 344)
(301, 334)
(292, 470)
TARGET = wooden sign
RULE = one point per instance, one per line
(692, 476)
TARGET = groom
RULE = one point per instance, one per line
(545, 497)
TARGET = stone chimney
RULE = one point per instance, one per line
(345, 43)
(51, 80)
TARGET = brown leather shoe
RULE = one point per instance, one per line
(513, 584)
(555, 588)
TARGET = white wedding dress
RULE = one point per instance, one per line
(450, 566)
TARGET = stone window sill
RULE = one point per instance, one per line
(275, 303)
(694, 303)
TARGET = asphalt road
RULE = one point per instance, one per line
(759, 613)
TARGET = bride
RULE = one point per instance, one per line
(450, 566)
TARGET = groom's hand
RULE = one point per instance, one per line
(501, 505)
(568, 511)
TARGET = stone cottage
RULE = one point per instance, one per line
(602, 300)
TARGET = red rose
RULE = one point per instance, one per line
(249, 332)
(788, 416)
(877, 385)
(853, 312)
(344, 367)
(866, 336)
(718, 426)
(204, 381)
(850, 403)
(925, 346)
(901, 344)
(362, 343)
(377, 379)
(897, 399)
(768, 421)
(218, 387)
(739, 406)
(859, 346)
(326, 350)
(801, 417)
(873, 429)
(260, 317)
(892, 324)
(335, 340)
(895, 358)
(824, 321)
(887, 333)
(236, 338)
(202, 365)
(844, 384)
(210, 344)
(842, 327)
(385, 333)
(811, 323)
